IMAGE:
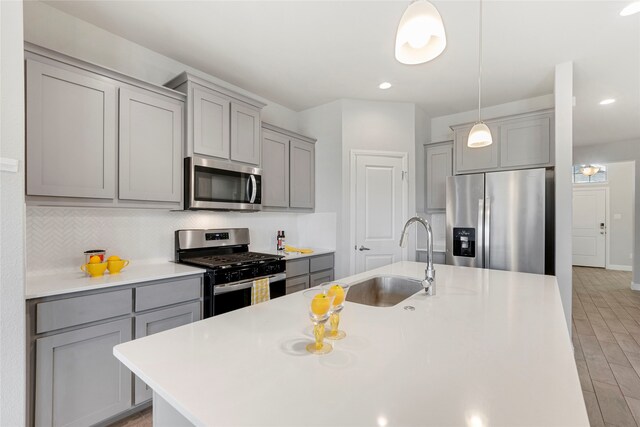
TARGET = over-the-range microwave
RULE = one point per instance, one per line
(217, 185)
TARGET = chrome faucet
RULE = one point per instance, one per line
(429, 281)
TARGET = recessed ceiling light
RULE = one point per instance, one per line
(385, 85)
(607, 101)
(630, 9)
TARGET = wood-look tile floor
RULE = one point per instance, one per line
(141, 419)
(606, 338)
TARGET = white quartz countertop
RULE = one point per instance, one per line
(64, 282)
(490, 348)
(296, 255)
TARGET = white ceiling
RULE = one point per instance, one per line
(306, 53)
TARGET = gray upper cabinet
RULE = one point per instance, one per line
(71, 132)
(275, 169)
(520, 141)
(475, 159)
(288, 169)
(302, 174)
(150, 149)
(78, 380)
(439, 165)
(210, 122)
(525, 142)
(245, 134)
(221, 123)
(91, 131)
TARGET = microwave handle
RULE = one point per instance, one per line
(254, 191)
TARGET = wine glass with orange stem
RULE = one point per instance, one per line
(319, 304)
(339, 292)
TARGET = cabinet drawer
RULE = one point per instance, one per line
(167, 293)
(320, 277)
(297, 267)
(322, 262)
(297, 284)
(52, 315)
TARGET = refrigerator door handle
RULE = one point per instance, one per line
(486, 239)
(480, 237)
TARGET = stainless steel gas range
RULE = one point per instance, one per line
(231, 268)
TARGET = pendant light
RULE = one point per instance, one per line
(420, 36)
(480, 135)
(589, 170)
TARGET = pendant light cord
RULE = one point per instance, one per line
(480, 64)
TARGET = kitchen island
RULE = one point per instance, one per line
(490, 348)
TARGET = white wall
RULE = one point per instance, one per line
(621, 199)
(620, 151)
(440, 130)
(12, 223)
(563, 91)
(56, 30)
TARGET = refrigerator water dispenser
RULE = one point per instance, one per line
(464, 242)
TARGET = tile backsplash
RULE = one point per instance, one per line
(57, 236)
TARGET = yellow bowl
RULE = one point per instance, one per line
(94, 270)
(115, 266)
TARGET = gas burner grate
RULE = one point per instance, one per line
(221, 261)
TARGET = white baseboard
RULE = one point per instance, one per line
(635, 286)
(619, 267)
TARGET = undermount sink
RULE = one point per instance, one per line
(383, 291)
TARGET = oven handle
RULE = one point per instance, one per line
(237, 286)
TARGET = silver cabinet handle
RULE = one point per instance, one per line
(362, 248)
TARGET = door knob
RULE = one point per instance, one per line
(362, 248)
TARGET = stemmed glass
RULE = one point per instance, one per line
(319, 305)
(339, 292)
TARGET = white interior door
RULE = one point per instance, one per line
(589, 227)
(379, 211)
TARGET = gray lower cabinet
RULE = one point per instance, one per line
(78, 380)
(303, 273)
(150, 149)
(158, 321)
(288, 170)
(71, 132)
(439, 165)
(520, 141)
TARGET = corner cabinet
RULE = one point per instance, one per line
(519, 142)
(97, 138)
(288, 170)
(439, 165)
(220, 123)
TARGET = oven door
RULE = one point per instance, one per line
(237, 295)
(216, 185)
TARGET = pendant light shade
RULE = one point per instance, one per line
(480, 136)
(421, 36)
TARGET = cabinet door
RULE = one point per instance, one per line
(71, 133)
(302, 174)
(210, 123)
(475, 159)
(79, 382)
(158, 321)
(439, 166)
(525, 142)
(275, 169)
(297, 284)
(245, 134)
(320, 277)
(150, 149)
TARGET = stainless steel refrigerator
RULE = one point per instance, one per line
(502, 221)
